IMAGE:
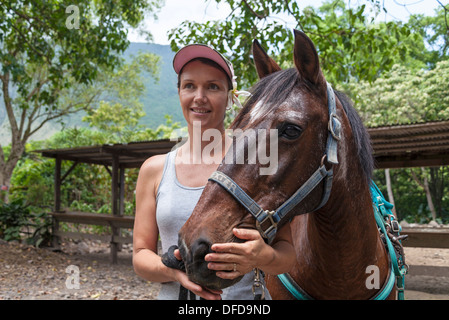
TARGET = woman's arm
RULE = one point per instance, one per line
(147, 263)
(253, 253)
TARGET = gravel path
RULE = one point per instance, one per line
(30, 273)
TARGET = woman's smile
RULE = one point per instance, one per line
(200, 110)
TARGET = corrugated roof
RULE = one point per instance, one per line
(410, 145)
(129, 155)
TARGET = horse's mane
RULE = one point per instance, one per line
(361, 136)
(277, 86)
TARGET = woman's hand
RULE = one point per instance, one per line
(198, 290)
(232, 260)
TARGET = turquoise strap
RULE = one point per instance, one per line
(382, 211)
(293, 287)
(299, 293)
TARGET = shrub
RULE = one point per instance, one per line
(13, 217)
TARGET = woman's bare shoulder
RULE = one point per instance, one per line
(154, 164)
(150, 175)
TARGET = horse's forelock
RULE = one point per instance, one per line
(275, 88)
(268, 93)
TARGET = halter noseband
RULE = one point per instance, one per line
(267, 221)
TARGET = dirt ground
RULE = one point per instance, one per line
(34, 274)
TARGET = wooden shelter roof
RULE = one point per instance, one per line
(129, 155)
(411, 145)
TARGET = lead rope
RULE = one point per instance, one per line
(258, 284)
(170, 261)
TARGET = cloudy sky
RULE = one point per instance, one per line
(176, 11)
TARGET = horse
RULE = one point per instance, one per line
(333, 227)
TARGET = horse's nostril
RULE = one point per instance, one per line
(200, 248)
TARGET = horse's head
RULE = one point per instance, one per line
(291, 103)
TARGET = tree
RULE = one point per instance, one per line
(119, 109)
(390, 191)
(47, 45)
(349, 43)
(435, 31)
(425, 185)
(403, 96)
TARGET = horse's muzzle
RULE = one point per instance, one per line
(196, 266)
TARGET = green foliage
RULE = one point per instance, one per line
(434, 29)
(349, 43)
(35, 33)
(164, 131)
(403, 96)
(120, 107)
(41, 223)
(410, 199)
(49, 50)
(18, 222)
(76, 137)
(88, 187)
(13, 217)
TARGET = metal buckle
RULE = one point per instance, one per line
(336, 135)
(273, 224)
(395, 227)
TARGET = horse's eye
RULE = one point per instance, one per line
(290, 131)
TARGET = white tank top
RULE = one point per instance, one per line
(174, 205)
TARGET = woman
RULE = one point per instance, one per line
(170, 185)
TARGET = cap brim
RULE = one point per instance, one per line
(194, 51)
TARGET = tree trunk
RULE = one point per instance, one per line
(7, 168)
(390, 191)
(425, 185)
(17, 145)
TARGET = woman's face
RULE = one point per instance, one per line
(203, 93)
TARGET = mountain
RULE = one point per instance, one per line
(160, 98)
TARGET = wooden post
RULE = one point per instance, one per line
(121, 202)
(122, 192)
(115, 208)
(57, 204)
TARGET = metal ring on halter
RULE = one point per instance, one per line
(322, 159)
(336, 134)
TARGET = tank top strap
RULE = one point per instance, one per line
(169, 171)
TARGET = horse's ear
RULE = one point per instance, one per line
(264, 64)
(306, 59)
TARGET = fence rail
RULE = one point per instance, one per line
(115, 222)
(426, 237)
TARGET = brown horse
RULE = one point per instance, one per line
(335, 243)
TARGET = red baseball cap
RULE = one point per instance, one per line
(193, 51)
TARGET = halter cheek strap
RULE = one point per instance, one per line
(267, 221)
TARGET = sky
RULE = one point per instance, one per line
(175, 11)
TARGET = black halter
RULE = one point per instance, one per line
(267, 221)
